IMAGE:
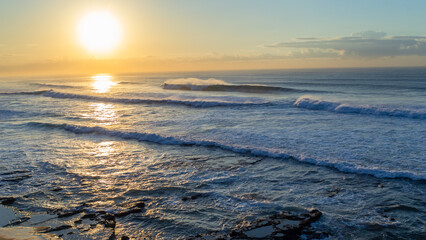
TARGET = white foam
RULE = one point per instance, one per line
(261, 152)
(313, 103)
(212, 84)
(196, 81)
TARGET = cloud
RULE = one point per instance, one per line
(369, 34)
(363, 44)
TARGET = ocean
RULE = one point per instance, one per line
(206, 150)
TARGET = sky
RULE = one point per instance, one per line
(40, 37)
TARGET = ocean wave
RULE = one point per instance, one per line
(9, 113)
(53, 85)
(212, 84)
(201, 103)
(260, 152)
(318, 104)
(25, 93)
(132, 83)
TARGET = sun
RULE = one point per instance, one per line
(99, 32)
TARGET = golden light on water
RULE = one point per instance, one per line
(99, 32)
(102, 83)
(104, 113)
(104, 149)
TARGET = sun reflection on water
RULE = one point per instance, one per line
(102, 83)
(104, 149)
(104, 113)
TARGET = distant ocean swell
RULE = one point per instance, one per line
(54, 85)
(270, 153)
(195, 84)
(200, 103)
(229, 88)
(337, 107)
(25, 93)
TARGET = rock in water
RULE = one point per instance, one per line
(7, 200)
(285, 225)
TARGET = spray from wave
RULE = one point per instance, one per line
(313, 103)
(237, 148)
(212, 84)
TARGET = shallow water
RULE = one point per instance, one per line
(347, 142)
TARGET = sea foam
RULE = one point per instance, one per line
(237, 148)
(313, 103)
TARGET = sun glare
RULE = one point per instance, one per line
(102, 83)
(99, 32)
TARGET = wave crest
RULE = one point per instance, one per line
(200, 103)
(212, 84)
(25, 93)
(261, 152)
(318, 104)
(54, 85)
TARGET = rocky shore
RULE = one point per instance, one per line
(81, 222)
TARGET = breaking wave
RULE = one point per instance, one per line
(261, 152)
(201, 103)
(318, 104)
(212, 84)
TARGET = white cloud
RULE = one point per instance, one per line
(363, 44)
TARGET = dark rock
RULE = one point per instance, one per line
(57, 189)
(69, 233)
(334, 192)
(60, 228)
(285, 225)
(89, 215)
(69, 213)
(193, 197)
(125, 213)
(78, 221)
(112, 237)
(7, 200)
(18, 221)
(185, 198)
(109, 223)
(314, 216)
(140, 205)
(235, 234)
(108, 216)
(125, 238)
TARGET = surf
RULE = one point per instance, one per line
(196, 102)
(313, 103)
(237, 148)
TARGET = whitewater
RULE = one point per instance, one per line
(349, 142)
